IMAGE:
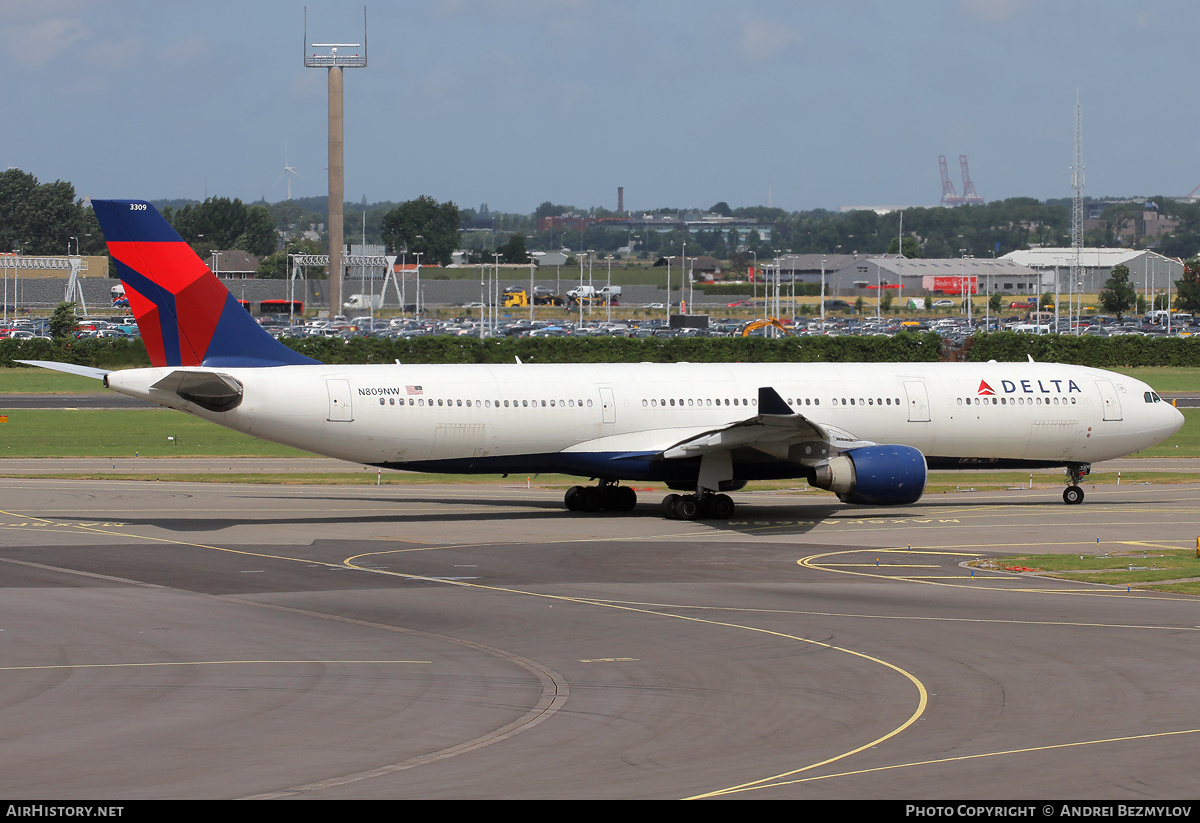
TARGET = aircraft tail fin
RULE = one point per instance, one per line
(185, 315)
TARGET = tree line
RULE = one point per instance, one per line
(46, 218)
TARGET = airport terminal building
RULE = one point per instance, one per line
(849, 275)
(1033, 271)
(1149, 271)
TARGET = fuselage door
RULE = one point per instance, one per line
(340, 410)
(918, 401)
(1108, 396)
(608, 405)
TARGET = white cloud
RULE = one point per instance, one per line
(114, 54)
(762, 41)
(36, 44)
(995, 11)
(183, 51)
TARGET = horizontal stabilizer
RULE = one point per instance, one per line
(68, 368)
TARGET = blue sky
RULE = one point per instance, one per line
(513, 102)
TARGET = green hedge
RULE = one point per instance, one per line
(444, 349)
(1102, 352)
(105, 354)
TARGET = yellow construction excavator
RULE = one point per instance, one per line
(773, 322)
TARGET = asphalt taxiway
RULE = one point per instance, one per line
(179, 640)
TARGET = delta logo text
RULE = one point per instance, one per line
(1029, 387)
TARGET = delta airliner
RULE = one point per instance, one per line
(868, 432)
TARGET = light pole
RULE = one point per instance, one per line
(668, 290)
(418, 254)
(482, 300)
(591, 281)
(683, 275)
(580, 298)
(778, 280)
(962, 279)
(403, 273)
(691, 286)
(754, 280)
(532, 263)
(822, 295)
(608, 290)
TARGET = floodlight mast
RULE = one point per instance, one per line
(335, 62)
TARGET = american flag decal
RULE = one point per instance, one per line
(414, 390)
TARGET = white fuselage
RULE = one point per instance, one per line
(497, 418)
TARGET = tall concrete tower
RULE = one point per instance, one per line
(335, 62)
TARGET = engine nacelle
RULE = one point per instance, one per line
(874, 475)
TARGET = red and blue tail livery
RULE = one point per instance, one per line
(184, 313)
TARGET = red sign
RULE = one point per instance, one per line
(950, 285)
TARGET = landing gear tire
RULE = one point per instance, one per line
(687, 507)
(719, 507)
(605, 497)
(696, 507)
(1073, 495)
(619, 498)
(571, 498)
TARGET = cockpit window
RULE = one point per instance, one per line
(1152, 397)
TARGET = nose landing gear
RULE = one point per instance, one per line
(1073, 494)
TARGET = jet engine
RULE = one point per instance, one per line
(874, 475)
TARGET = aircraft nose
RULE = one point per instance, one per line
(1177, 419)
(1171, 421)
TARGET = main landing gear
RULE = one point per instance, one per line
(609, 497)
(606, 496)
(703, 506)
(1075, 472)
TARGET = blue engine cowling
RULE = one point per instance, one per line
(874, 475)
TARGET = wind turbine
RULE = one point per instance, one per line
(288, 172)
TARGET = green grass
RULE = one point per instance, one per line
(1150, 568)
(1184, 443)
(44, 381)
(125, 433)
(1165, 379)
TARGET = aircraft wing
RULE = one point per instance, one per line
(776, 431)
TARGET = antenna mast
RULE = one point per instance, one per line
(1076, 211)
(335, 62)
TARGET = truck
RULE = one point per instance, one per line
(590, 294)
(364, 301)
(516, 297)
